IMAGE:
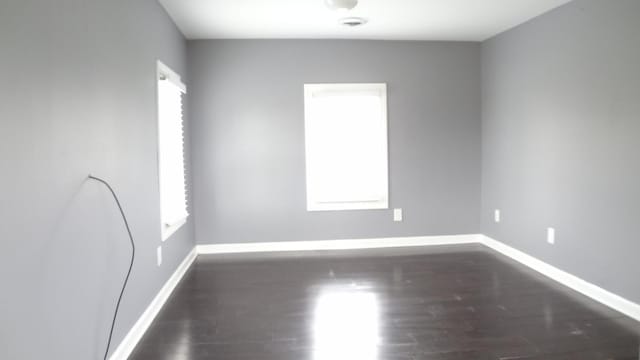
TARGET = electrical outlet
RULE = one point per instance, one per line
(397, 215)
(496, 216)
(551, 236)
(159, 255)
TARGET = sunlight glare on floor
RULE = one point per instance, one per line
(346, 326)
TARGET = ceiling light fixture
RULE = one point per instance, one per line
(341, 4)
(352, 21)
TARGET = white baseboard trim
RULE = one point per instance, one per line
(586, 288)
(592, 291)
(124, 350)
(350, 244)
(624, 306)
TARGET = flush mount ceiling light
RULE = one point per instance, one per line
(344, 6)
(341, 4)
(352, 21)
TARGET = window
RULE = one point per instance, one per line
(346, 146)
(173, 202)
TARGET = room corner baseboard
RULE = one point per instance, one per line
(586, 288)
(616, 302)
(347, 244)
(128, 344)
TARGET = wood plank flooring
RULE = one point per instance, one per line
(445, 303)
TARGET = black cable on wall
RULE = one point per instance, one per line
(133, 256)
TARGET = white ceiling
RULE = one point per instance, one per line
(459, 20)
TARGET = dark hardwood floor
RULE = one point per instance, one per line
(443, 303)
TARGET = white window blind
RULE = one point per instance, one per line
(346, 146)
(173, 202)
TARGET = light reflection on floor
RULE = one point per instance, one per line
(183, 350)
(346, 326)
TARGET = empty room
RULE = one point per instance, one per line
(320, 180)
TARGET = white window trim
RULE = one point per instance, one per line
(372, 204)
(167, 230)
(164, 70)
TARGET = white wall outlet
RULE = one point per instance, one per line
(397, 215)
(159, 255)
(551, 236)
(496, 216)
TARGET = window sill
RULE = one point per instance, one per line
(339, 206)
(169, 230)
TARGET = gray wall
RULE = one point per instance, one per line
(248, 137)
(561, 140)
(560, 144)
(78, 96)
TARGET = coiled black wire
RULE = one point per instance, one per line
(133, 256)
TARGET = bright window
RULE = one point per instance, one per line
(346, 146)
(173, 202)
